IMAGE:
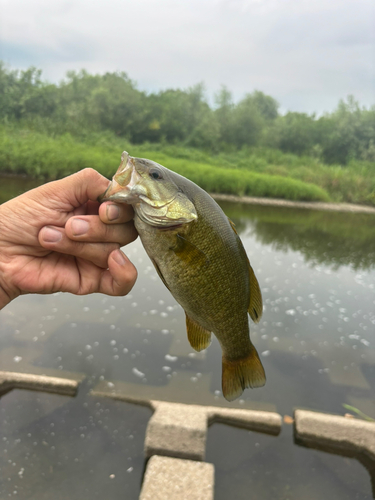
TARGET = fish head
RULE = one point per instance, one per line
(153, 192)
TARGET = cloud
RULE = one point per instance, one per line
(306, 54)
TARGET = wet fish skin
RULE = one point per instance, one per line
(200, 258)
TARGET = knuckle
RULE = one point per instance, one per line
(88, 172)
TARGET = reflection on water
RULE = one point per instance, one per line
(257, 466)
(316, 340)
(331, 238)
(10, 187)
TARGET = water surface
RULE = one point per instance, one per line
(316, 340)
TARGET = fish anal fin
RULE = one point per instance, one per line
(159, 273)
(242, 373)
(256, 303)
(199, 337)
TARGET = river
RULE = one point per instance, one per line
(316, 339)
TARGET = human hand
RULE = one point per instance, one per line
(58, 238)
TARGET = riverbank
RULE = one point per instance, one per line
(311, 205)
(12, 185)
(254, 172)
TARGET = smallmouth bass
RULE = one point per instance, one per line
(200, 258)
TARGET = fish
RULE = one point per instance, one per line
(200, 258)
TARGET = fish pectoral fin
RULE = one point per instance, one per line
(160, 273)
(256, 303)
(241, 373)
(199, 337)
(189, 253)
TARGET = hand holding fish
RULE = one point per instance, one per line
(58, 238)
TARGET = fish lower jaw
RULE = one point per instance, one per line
(169, 228)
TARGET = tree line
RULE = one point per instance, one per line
(84, 103)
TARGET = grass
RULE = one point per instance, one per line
(253, 172)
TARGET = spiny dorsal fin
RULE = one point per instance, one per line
(256, 303)
(241, 373)
(199, 337)
(233, 225)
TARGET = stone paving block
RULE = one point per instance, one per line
(180, 430)
(254, 420)
(177, 430)
(175, 479)
(14, 380)
(348, 435)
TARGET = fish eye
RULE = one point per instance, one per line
(155, 174)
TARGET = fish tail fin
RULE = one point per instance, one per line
(241, 373)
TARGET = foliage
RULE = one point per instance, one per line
(84, 103)
(39, 155)
(86, 120)
(359, 413)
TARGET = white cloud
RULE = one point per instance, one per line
(306, 54)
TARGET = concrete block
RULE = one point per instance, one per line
(180, 430)
(177, 430)
(347, 435)
(259, 421)
(175, 479)
(56, 385)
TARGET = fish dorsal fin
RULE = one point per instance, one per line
(233, 225)
(256, 303)
(199, 337)
(189, 253)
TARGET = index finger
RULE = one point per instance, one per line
(73, 191)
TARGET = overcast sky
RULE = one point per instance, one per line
(307, 54)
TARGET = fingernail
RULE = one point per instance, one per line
(113, 212)
(51, 235)
(79, 227)
(119, 257)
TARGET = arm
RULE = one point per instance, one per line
(58, 238)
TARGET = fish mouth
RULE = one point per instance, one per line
(171, 227)
(127, 186)
(114, 192)
(124, 187)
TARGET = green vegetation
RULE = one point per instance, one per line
(248, 148)
(39, 155)
(359, 413)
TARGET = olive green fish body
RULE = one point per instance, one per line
(200, 258)
(206, 257)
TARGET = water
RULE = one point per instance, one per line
(316, 341)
